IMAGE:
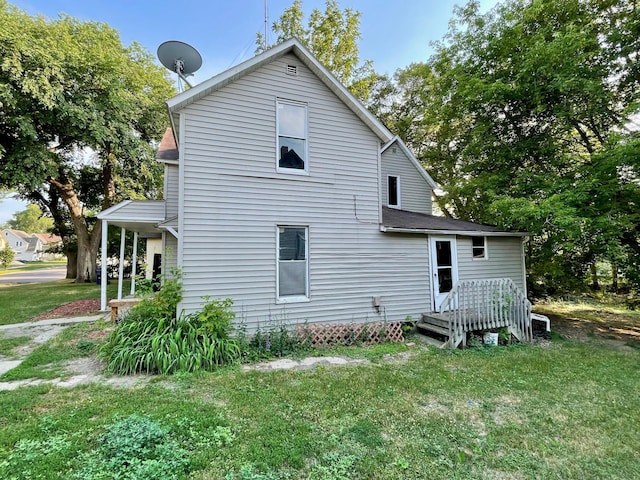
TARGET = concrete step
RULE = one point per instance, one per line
(430, 341)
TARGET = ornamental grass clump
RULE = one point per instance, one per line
(152, 339)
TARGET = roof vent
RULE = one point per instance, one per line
(292, 70)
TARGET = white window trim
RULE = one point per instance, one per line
(486, 250)
(292, 298)
(398, 191)
(293, 171)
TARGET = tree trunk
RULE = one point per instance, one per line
(614, 278)
(86, 264)
(72, 263)
(595, 285)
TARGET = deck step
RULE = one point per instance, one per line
(430, 341)
(435, 319)
(429, 327)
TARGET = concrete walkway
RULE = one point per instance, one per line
(39, 332)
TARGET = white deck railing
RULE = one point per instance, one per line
(485, 305)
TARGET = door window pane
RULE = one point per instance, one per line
(445, 279)
(443, 253)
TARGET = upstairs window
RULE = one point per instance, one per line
(478, 247)
(293, 264)
(292, 137)
(393, 191)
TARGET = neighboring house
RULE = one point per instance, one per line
(30, 247)
(283, 193)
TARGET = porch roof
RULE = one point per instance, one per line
(140, 216)
(404, 221)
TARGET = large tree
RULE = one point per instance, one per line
(332, 36)
(79, 114)
(31, 220)
(523, 116)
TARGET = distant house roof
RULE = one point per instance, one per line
(18, 233)
(168, 150)
(48, 237)
(394, 220)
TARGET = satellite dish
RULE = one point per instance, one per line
(179, 57)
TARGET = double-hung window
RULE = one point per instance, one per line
(478, 247)
(293, 263)
(292, 137)
(393, 191)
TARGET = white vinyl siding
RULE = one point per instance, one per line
(233, 198)
(415, 194)
(503, 261)
(171, 190)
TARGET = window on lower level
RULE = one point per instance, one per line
(293, 263)
(393, 191)
(478, 247)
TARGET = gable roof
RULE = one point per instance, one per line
(168, 150)
(296, 48)
(47, 237)
(18, 233)
(394, 220)
(398, 141)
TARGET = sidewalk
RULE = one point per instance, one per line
(40, 332)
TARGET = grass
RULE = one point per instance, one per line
(20, 303)
(567, 410)
(47, 360)
(8, 344)
(25, 267)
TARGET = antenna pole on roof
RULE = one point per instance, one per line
(266, 24)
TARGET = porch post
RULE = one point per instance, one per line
(121, 263)
(134, 258)
(103, 267)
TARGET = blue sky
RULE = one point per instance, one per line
(394, 33)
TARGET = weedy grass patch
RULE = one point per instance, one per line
(9, 344)
(47, 360)
(20, 303)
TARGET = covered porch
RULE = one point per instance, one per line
(143, 218)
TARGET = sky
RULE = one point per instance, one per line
(394, 34)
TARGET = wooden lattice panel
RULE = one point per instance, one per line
(318, 335)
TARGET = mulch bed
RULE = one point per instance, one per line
(72, 309)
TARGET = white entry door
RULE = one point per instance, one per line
(444, 268)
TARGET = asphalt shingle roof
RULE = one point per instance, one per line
(394, 218)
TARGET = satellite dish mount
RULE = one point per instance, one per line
(181, 58)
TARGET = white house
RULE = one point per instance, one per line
(30, 247)
(283, 193)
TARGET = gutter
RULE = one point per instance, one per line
(466, 233)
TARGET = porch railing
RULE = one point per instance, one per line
(485, 305)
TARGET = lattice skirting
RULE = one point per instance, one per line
(319, 335)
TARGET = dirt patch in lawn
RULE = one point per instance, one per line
(72, 309)
(618, 331)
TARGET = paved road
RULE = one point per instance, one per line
(35, 276)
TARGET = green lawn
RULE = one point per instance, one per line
(33, 266)
(20, 303)
(564, 410)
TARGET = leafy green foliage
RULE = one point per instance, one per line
(6, 257)
(135, 448)
(38, 458)
(152, 339)
(31, 220)
(522, 115)
(332, 36)
(68, 85)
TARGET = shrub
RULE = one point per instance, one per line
(6, 257)
(151, 339)
(135, 447)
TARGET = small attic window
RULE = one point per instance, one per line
(292, 70)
